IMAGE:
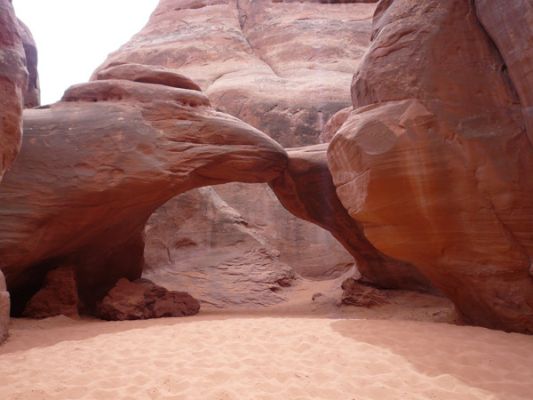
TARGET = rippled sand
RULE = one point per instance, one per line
(263, 358)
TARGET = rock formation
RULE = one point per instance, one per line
(58, 296)
(306, 189)
(96, 165)
(284, 67)
(143, 299)
(434, 162)
(13, 80)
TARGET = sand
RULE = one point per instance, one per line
(237, 357)
(300, 349)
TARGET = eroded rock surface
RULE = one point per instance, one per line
(13, 81)
(58, 296)
(434, 162)
(96, 165)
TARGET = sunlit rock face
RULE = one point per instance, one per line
(285, 68)
(96, 165)
(435, 162)
(13, 80)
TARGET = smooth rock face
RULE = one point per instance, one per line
(306, 189)
(95, 166)
(143, 299)
(13, 80)
(58, 296)
(435, 163)
(4, 308)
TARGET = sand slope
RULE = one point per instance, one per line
(262, 358)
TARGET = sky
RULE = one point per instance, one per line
(75, 36)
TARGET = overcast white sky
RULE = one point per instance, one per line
(74, 36)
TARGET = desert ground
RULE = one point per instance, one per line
(302, 349)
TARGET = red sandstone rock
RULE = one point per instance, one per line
(143, 299)
(306, 189)
(434, 162)
(58, 296)
(95, 166)
(13, 80)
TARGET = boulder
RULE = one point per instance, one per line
(96, 165)
(434, 162)
(356, 293)
(58, 296)
(142, 299)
